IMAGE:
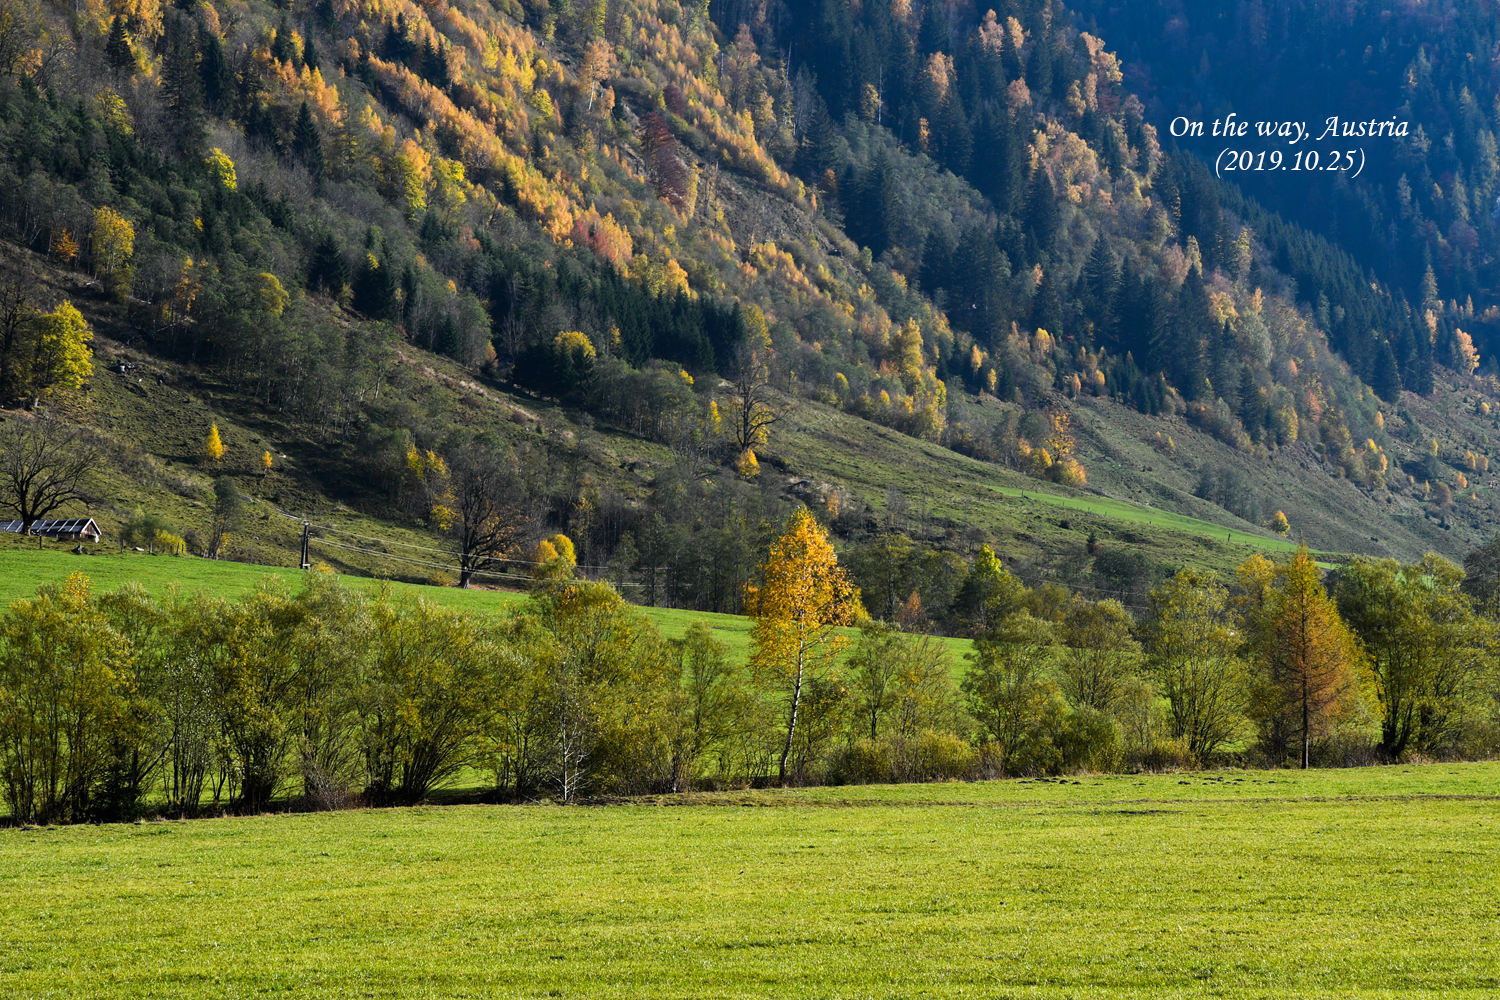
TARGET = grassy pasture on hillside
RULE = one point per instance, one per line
(22, 570)
(1371, 882)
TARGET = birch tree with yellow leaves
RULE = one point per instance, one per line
(803, 597)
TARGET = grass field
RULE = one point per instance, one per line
(23, 569)
(1371, 882)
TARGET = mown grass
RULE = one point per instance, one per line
(1377, 882)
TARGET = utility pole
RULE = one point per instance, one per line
(306, 562)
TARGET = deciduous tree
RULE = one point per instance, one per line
(213, 447)
(1098, 654)
(1009, 694)
(63, 671)
(1427, 649)
(753, 408)
(44, 467)
(485, 508)
(1191, 645)
(804, 594)
(229, 508)
(425, 698)
(60, 356)
(111, 246)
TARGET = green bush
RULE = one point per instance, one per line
(1168, 755)
(931, 755)
(863, 762)
(1090, 740)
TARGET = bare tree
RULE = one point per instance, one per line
(754, 406)
(43, 465)
(485, 507)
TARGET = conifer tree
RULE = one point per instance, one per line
(216, 76)
(282, 49)
(1312, 655)
(375, 289)
(1042, 216)
(118, 49)
(307, 143)
(182, 88)
(328, 269)
(213, 448)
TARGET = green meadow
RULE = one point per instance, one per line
(1376, 882)
(22, 570)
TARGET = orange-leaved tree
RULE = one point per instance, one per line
(803, 596)
(1311, 658)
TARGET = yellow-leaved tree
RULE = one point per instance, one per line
(213, 448)
(60, 354)
(112, 245)
(803, 596)
(556, 558)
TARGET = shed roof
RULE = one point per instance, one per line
(49, 526)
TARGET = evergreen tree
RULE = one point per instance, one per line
(375, 289)
(1100, 284)
(1386, 378)
(957, 139)
(282, 49)
(118, 49)
(873, 220)
(310, 57)
(1039, 68)
(328, 18)
(216, 77)
(1042, 215)
(182, 88)
(1000, 160)
(327, 267)
(933, 36)
(1182, 354)
(307, 143)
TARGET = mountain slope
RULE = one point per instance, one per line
(947, 241)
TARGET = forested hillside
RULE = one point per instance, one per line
(647, 263)
(1422, 215)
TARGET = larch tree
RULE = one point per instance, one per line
(1311, 657)
(804, 595)
(213, 448)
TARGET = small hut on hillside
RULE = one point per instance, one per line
(70, 529)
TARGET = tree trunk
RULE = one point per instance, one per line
(1306, 734)
(791, 728)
